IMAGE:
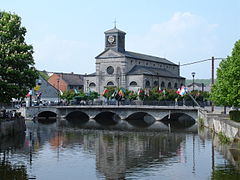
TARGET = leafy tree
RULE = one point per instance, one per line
(17, 74)
(68, 96)
(92, 95)
(226, 90)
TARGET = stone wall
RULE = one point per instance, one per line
(221, 123)
(12, 127)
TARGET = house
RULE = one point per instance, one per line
(199, 87)
(66, 81)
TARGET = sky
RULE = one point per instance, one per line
(68, 35)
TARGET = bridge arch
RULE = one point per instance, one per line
(179, 120)
(77, 117)
(107, 118)
(140, 119)
(47, 117)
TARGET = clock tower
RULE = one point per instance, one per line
(115, 39)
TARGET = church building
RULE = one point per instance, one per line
(120, 68)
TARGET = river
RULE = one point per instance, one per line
(47, 152)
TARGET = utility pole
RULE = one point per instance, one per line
(212, 79)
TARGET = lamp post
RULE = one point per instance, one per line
(193, 75)
(118, 79)
(87, 89)
(58, 90)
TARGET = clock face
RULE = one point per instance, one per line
(111, 39)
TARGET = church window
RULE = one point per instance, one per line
(146, 63)
(110, 70)
(167, 67)
(153, 64)
(160, 65)
(133, 83)
(169, 85)
(175, 85)
(139, 62)
(92, 84)
(162, 85)
(155, 83)
(147, 84)
(110, 83)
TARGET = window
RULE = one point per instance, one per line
(133, 83)
(110, 83)
(92, 84)
(147, 84)
(155, 83)
(162, 85)
(110, 70)
(175, 85)
(169, 85)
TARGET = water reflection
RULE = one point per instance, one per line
(101, 154)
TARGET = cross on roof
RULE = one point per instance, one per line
(115, 23)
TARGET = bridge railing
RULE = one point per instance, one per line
(146, 102)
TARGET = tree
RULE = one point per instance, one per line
(226, 90)
(17, 74)
(68, 95)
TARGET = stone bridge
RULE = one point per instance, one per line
(122, 112)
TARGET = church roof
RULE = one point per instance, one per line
(139, 70)
(147, 57)
(114, 30)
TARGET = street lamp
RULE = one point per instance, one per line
(193, 75)
(58, 90)
(87, 89)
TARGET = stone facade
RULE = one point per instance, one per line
(120, 68)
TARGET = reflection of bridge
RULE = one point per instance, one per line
(149, 114)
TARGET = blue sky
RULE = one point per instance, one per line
(68, 35)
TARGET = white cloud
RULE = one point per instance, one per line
(184, 37)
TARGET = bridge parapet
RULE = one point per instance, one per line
(158, 112)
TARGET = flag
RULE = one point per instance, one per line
(104, 92)
(178, 91)
(183, 91)
(37, 88)
(76, 91)
(121, 92)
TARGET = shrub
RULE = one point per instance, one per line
(235, 115)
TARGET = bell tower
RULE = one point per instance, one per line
(115, 39)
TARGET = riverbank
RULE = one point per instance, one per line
(221, 124)
(12, 127)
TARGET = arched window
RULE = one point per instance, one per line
(169, 85)
(175, 85)
(110, 83)
(133, 83)
(147, 84)
(162, 85)
(92, 84)
(155, 83)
